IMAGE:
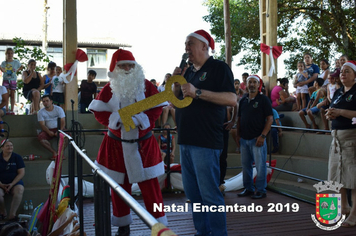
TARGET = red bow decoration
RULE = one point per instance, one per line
(273, 52)
(71, 68)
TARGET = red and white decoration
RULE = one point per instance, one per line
(274, 52)
(71, 68)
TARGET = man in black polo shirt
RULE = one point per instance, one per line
(200, 129)
(255, 118)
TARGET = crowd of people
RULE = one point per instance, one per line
(35, 84)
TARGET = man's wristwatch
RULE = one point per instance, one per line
(197, 93)
(263, 136)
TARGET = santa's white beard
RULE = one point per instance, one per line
(127, 85)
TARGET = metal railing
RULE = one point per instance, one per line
(286, 171)
(102, 183)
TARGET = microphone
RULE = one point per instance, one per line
(184, 61)
(72, 101)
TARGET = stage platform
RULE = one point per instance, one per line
(238, 223)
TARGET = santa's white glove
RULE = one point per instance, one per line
(115, 121)
(141, 120)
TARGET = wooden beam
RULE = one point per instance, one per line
(70, 44)
(228, 54)
(268, 32)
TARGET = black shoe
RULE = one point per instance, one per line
(123, 231)
(259, 195)
(245, 193)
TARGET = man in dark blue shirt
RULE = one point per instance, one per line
(200, 129)
(255, 118)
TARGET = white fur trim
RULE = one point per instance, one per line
(121, 221)
(115, 121)
(201, 38)
(352, 65)
(253, 76)
(115, 175)
(134, 168)
(143, 120)
(98, 105)
(125, 61)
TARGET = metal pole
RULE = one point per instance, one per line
(101, 206)
(80, 194)
(44, 40)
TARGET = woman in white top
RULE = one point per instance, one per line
(324, 65)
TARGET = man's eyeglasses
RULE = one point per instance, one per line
(8, 166)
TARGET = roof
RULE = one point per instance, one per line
(58, 44)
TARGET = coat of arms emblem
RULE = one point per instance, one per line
(328, 206)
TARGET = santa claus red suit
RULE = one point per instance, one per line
(129, 156)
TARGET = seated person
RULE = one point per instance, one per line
(281, 100)
(166, 110)
(12, 170)
(317, 97)
(162, 142)
(47, 118)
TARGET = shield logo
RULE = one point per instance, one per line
(328, 208)
(203, 77)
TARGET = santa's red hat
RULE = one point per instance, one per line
(121, 56)
(205, 37)
(351, 64)
(255, 77)
(259, 80)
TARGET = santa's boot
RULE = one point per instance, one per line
(123, 231)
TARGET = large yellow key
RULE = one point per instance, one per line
(126, 113)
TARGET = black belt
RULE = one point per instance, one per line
(146, 136)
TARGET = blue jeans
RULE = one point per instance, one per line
(201, 175)
(251, 153)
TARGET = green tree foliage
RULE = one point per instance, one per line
(24, 53)
(325, 29)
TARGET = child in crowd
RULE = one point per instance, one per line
(10, 67)
(51, 72)
(87, 91)
(154, 82)
(275, 132)
(162, 142)
(243, 85)
(301, 91)
(331, 88)
(325, 66)
(58, 88)
(317, 97)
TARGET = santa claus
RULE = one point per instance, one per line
(133, 156)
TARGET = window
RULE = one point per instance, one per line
(96, 58)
